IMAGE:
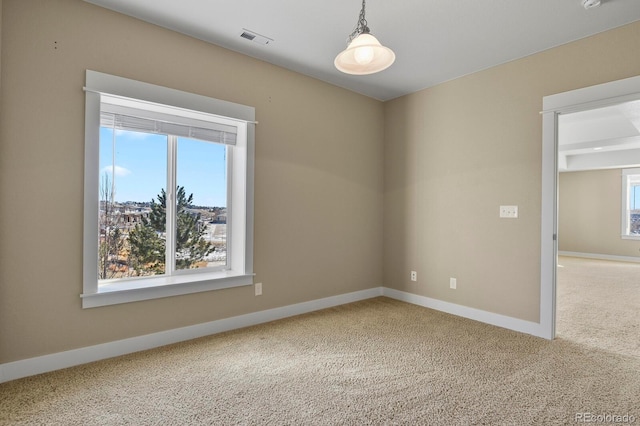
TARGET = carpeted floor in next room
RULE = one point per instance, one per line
(378, 361)
(598, 304)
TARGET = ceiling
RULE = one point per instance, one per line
(600, 138)
(434, 41)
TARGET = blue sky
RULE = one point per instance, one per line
(141, 162)
(635, 197)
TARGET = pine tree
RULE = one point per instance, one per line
(148, 246)
(147, 250)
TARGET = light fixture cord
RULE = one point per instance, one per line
(361, 26)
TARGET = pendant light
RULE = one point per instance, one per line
(364, 53)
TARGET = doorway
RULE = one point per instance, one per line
(580, 100)
(597, 288)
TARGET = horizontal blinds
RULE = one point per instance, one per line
(155, 118)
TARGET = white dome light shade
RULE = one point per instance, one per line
(364, 55)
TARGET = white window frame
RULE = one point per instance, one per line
(625, 220)
(239, 270)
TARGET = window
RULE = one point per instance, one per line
(631, 203)
(168, 192)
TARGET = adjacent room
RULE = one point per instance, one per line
(336, 213)
(598, 228)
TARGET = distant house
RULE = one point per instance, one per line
(130, 219)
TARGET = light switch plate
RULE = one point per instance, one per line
(510, 212)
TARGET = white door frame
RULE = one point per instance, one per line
(602, 95)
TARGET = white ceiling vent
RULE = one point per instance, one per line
(255, 37)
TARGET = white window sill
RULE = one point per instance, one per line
(630, 237)
(125, 291)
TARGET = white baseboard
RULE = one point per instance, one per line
(600, 256)
(503, 321)
(46, 363)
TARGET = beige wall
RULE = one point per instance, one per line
(450, 156)
(319, 176)
(455, 152)
(0, 45)
(590, 212)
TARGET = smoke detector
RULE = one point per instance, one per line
(588, 4)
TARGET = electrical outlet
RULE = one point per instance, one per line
(414, 276)
(453, 283)
(258, 289)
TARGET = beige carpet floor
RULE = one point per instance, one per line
(598, 304)
(373, 362)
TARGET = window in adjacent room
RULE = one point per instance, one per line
(168, 192)
(631, 203)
